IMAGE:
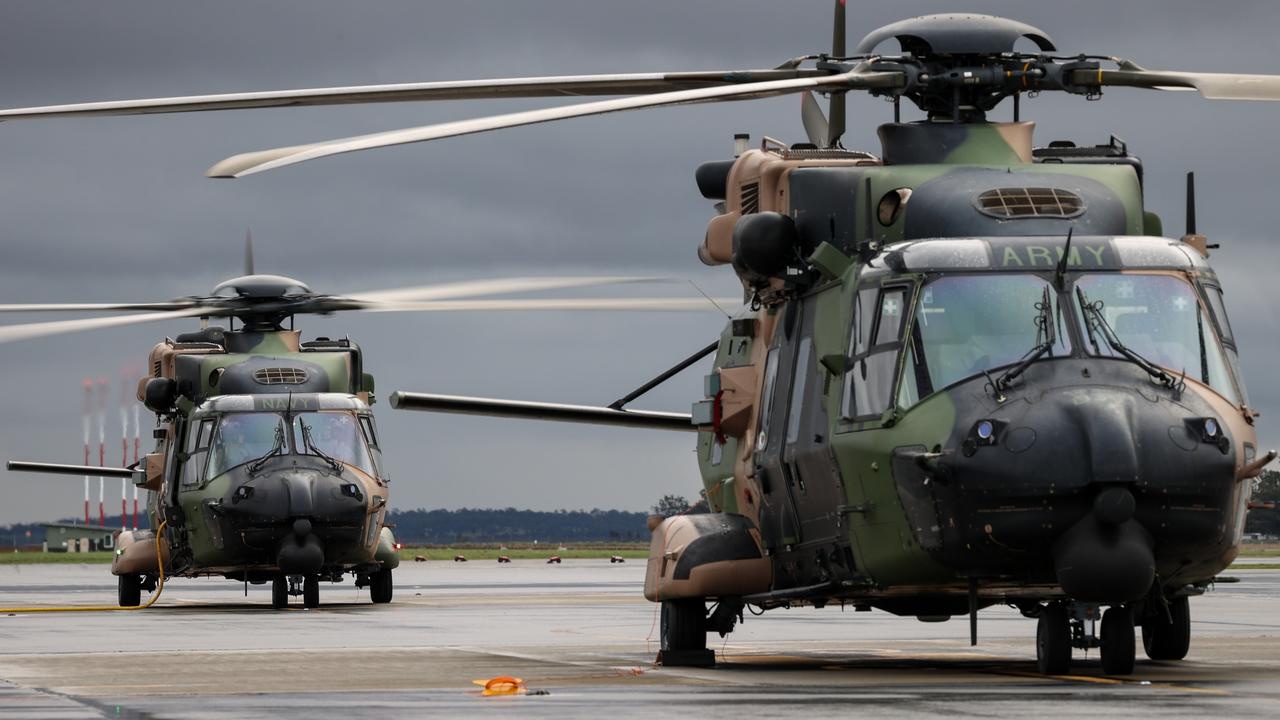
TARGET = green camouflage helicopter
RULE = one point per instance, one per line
(973, 371)
(267, 465)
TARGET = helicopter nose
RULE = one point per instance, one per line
(1099, 486)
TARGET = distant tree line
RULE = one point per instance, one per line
(1266, 489)
(439, 527)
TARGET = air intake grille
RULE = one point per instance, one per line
(1030, 202)
(750, 197)
(280, 376)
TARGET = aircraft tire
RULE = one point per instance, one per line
(279, 592)
(1053, 641)
(1168, 638)
(1117, 640)
(381, 587)
(684, 625)
(311, 592)
(129, 590)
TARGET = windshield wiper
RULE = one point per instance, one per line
(1046, 336)
(1094, 320)
(276, 448)
(306, 440)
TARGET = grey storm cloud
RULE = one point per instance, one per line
(117, 208)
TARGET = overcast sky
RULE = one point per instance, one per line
(102, 209)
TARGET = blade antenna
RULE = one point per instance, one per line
(710, 299)
(836, 111)
(248, 251)
(1191, 203)
(1060, 273)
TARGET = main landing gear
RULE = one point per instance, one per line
(1063, 626)
(684, 627)
(129, 588)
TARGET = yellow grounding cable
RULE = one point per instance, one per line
(103, 608)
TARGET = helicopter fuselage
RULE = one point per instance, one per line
(940, 401)
(268, 463)
(889, 462)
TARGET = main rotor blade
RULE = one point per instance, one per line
(94, 307)
(27, 331)
(1211, 86)
(813, 119)
(551, 86)
(498, 286)
(601, 304)
(837, 120)
(255, 162)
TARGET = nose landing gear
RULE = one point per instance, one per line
(1063, 626)
(284, 586)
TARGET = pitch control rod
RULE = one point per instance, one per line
(675, 369)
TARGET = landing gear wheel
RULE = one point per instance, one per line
(311, 592)
(129, 590)
(1168, 637)
(684, 634)
(1117, 640)
(380, 586)
(279, 592)
(1053, 641)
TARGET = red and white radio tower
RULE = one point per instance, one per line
(102, 450)
(124, 450)
(137, 445)
(87, 423)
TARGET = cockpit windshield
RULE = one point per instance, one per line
(245, 437)
(252, 437)
(332, 434)
(970, 324)
(1159, 318)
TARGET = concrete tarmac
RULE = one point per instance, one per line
(582, 634)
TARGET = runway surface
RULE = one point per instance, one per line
(581, 633)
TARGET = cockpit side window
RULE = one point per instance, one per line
(198, 442)
(875, 339)
(1213, 294)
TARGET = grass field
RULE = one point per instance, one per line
(588, 551)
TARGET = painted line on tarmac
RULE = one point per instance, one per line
(1116, 681)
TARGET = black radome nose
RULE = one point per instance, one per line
(1114, 506)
